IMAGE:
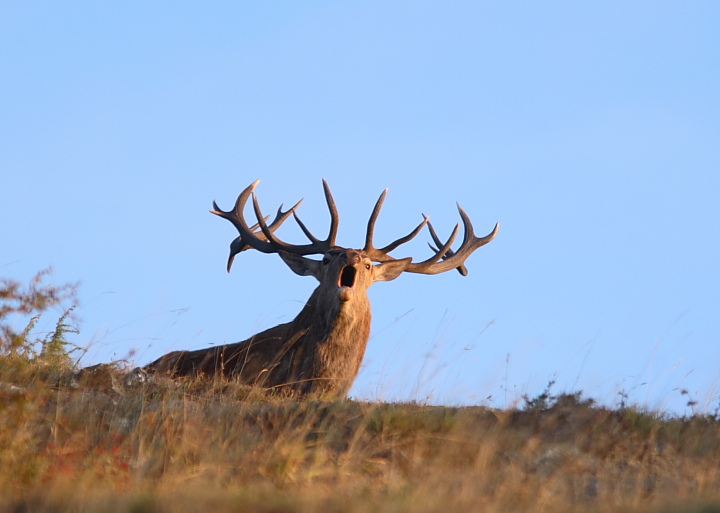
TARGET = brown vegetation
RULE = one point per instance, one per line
(220, 446)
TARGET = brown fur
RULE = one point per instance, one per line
(318, 353)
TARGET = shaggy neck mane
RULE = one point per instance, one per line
(333, 336)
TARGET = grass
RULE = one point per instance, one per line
(91, 444)
(223, 447)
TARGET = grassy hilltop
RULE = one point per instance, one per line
(95, 445)
(187, 447)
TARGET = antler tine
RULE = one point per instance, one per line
(238, 245)
(334, 220)
(265, 240)
(369, 248)
(407, 238)
(315, 246)
(307, 232)
(242, 242)
(461, 268)
(428, 266)
(279, 245)
(334, 217)
(235, 216)
(453, 260)
(381, 255)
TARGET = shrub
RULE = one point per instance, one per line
(25, 306)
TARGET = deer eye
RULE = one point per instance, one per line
(367, 266)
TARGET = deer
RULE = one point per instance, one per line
(319, 352)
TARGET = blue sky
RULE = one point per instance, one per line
(590, 131)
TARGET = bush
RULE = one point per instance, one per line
(25, 306)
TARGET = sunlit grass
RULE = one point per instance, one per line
(194, 446)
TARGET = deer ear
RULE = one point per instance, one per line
(388, 271)
(301, 265)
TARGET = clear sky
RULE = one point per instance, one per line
(590, 130)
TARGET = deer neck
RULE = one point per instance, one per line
(333, 320)
(335, 337)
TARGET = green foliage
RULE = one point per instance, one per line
(56, 348)
(26, 305)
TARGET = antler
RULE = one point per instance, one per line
(381, 255)
(261, 236)
(264, 239)
(444, 258)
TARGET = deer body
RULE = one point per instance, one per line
(294, 356)
(319, 352)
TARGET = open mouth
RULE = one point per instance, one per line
(347, 276)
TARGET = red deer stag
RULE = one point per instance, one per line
(319, 352)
